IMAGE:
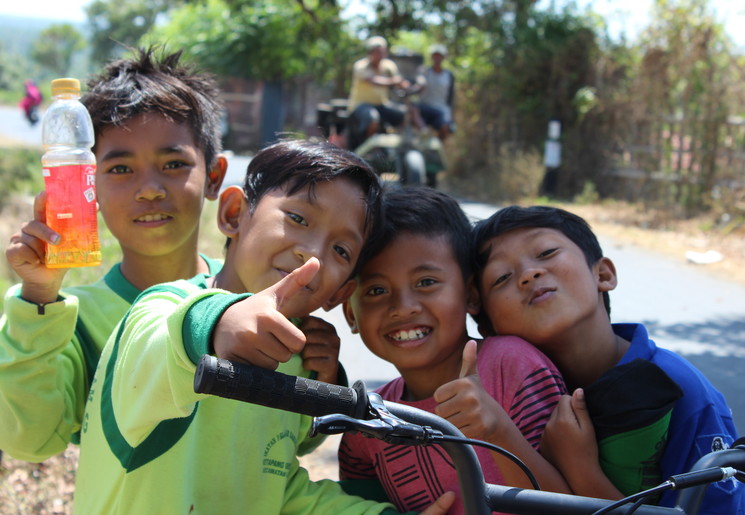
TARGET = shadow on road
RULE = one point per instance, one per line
(717, 348)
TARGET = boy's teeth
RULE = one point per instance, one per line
(411, 334)
(152, 218)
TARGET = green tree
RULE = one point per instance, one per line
(119, 25)
(517, 68)
(683, 85)
(55, 46)
(272, 39)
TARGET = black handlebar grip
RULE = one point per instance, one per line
(249, 383)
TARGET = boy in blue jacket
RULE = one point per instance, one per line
(542, 276)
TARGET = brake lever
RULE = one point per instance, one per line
(381, 425)
(337, 424)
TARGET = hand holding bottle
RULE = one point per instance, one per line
(26, 256)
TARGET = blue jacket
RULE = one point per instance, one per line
(701, 422)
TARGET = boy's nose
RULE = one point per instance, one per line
(404, 305)
(151, 190)
(307, 251)
(530, 275)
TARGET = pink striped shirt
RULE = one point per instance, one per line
(524, 382)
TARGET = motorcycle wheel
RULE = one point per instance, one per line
(414, 168)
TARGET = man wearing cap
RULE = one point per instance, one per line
(436, 98)
(372, 77)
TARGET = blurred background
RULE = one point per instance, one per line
(648, 94)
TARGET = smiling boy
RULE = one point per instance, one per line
(158, 147)
(152, 445)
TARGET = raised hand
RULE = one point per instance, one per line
(569, 444)
(26, 255)
(465, 403)
(569, 436)
(441, 505)
(321, 351)
(255, 331)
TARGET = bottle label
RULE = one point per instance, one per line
(71, 211)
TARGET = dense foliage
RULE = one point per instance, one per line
(661, 110)
(268, 40)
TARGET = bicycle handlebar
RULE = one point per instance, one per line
(272, 389)
(257, 385)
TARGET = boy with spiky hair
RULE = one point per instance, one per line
(157, 147)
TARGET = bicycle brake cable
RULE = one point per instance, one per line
(495, 448)
(676, 482)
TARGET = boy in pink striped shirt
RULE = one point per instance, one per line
(414, 291)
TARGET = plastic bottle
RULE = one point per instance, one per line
(69, 178)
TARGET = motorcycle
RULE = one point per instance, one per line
(408, 154)
(30, 102)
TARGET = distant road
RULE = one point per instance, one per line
(685, 308)
(14, 128)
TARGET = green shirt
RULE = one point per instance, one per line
(47, 361)
(151, 445)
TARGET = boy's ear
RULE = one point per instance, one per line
(349, 315)
(229, 211)
(473, 299)
(607, 278)
(215, 177)
(341, 295)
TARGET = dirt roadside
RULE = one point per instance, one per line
(657, 232)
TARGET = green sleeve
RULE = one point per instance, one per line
(42, 377)
(365, 488)
(150, 349)
(200, 321)
(303, 496)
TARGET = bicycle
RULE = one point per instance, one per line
(338, 409)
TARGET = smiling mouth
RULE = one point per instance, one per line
(408, 335)
(158, 217)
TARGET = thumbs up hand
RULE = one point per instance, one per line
(255, 331)
(468, 364)
(465, 404)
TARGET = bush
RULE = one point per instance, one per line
(20, 172)
(513, 175)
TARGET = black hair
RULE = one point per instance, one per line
(296, 164)
(516, 217)
(163, 85)
(421, 210)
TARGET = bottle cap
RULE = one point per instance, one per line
(61, 86)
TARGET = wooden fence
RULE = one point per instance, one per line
(659, 154)
(248, 112)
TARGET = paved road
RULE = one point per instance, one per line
(15, 128)
(685, 308)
